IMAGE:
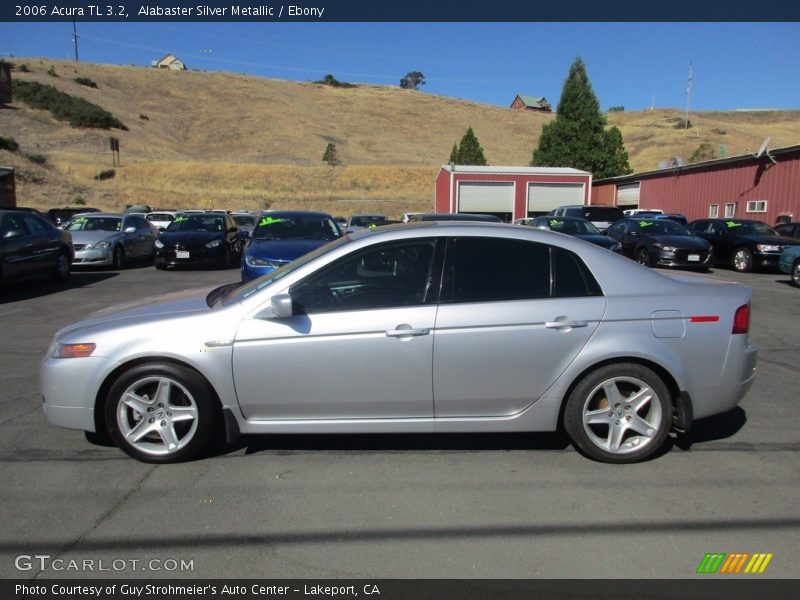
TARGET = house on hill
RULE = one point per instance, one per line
(539, 103)
(171, 62)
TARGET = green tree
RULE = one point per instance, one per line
(454, 154)
(577, 137)
(412, 80)
(469, 151)
(330, 155)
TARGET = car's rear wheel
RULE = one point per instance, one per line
(61, 271)
(796, 273)
(161, 412)
(643, 257)
(118, 259)
(620, 413)
(743, 260)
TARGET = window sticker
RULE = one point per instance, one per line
(556, 223)
(267, 221)
(180, 219)
(646, 223)
(731, 224)
(80, 220)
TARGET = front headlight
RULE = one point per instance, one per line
(616, 247)
(256, 261)
(213, 243)
(768, 248)
(159, 244)
(97, 246)
(661, 246)
(81, 350)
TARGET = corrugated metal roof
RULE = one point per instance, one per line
(514, 170)
(699, 165)
(531, 100)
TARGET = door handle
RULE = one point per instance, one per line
(397, 333)
(565, 324)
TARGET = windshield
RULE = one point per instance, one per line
(244, 220)
(209, 223)
(95, 224)
(159, 217)
(364, 220)
(602, 213)
(251, 287)
(663, 227)
(294, 227)
(750, 228)
(573, 227)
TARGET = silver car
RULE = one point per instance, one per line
(111, 239)
(446, 327)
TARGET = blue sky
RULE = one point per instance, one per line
(734, 65)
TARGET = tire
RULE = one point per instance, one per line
(628, 428)
(118, 258)
(161, 413)
(742, 260)
(62, 268)
(796, 273)
(226, 258)
(643, 257)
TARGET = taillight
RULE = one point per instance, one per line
(741, 320)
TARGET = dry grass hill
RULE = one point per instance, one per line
(213, 139)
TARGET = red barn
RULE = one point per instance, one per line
(510, 192)
(762, 187)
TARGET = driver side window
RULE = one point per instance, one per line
(389, 275)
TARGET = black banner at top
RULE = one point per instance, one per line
(400, 11)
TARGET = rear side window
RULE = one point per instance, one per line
(494, 270)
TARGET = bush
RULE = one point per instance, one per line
(144, 117)
(109, 174)
(8, 143)
(39, 159)
(617, 109)
(52, 71)
(79, 201)
(23, 68)
(333, 82)
(86, 81)
(77, 111)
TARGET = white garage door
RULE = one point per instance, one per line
(486, 197)
(544, 197)
(628, 194)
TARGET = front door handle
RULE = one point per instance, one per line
(565, 324)
(406, 331)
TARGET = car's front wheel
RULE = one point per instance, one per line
(619, 413)
(643, 257)
(796, 273)
(118, 258)
(161, 412)
(62, 268)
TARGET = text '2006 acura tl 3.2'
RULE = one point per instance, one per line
(446, 327)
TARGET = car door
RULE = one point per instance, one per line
(18, 247)
(618, 232)
(45, 243)
(513, 316)
(358, 345)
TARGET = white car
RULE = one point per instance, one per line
(162, 218)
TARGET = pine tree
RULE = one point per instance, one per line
(330, 156)
(454, 155)
(577, 136)
(469, 151)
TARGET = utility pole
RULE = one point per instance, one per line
(75, 38)
(688, 95)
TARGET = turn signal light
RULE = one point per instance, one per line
(741, 320)
(73, 350)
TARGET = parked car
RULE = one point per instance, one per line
(742, 244)
(453, 217)
(61, 216)
(678, 218)
(162, 218)
(790, 230)
(576, 227)
(642, 212)
(533, 331)
(283, 236)
(246, 222)
(31, 245)
(661, 243)
(600, 215)
(790, 263)
(207, 238)
(111, 239)
(362, 220)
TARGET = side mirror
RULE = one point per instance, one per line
(634, 234)
(281, 305)
(130, 230)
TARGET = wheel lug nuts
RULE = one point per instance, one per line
(627, 407)
(161, 405)
(149, 409)
(617, 422)
(151, 421)
(163, 423)
(169, 414)
(629, 418)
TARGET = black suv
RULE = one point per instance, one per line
(741, 244)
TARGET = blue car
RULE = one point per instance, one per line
(789, 262)
(282, 236)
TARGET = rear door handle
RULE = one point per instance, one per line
(565, 324)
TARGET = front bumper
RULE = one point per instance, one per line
(175, 257)
(96, 258)
(766, 260)
(683, 259)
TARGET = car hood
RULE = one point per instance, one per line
(189, 238)
(92, 237)
(282, 249)
(770, 239)
(149, 309)
(680, 241)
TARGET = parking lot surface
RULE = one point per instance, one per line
(404, 506)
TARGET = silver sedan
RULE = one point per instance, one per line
(111, 239)
(445, 327)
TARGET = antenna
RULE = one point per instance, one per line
(764, 151)
(688, 95)
(75, 38)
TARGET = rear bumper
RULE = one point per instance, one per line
(735, 381)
